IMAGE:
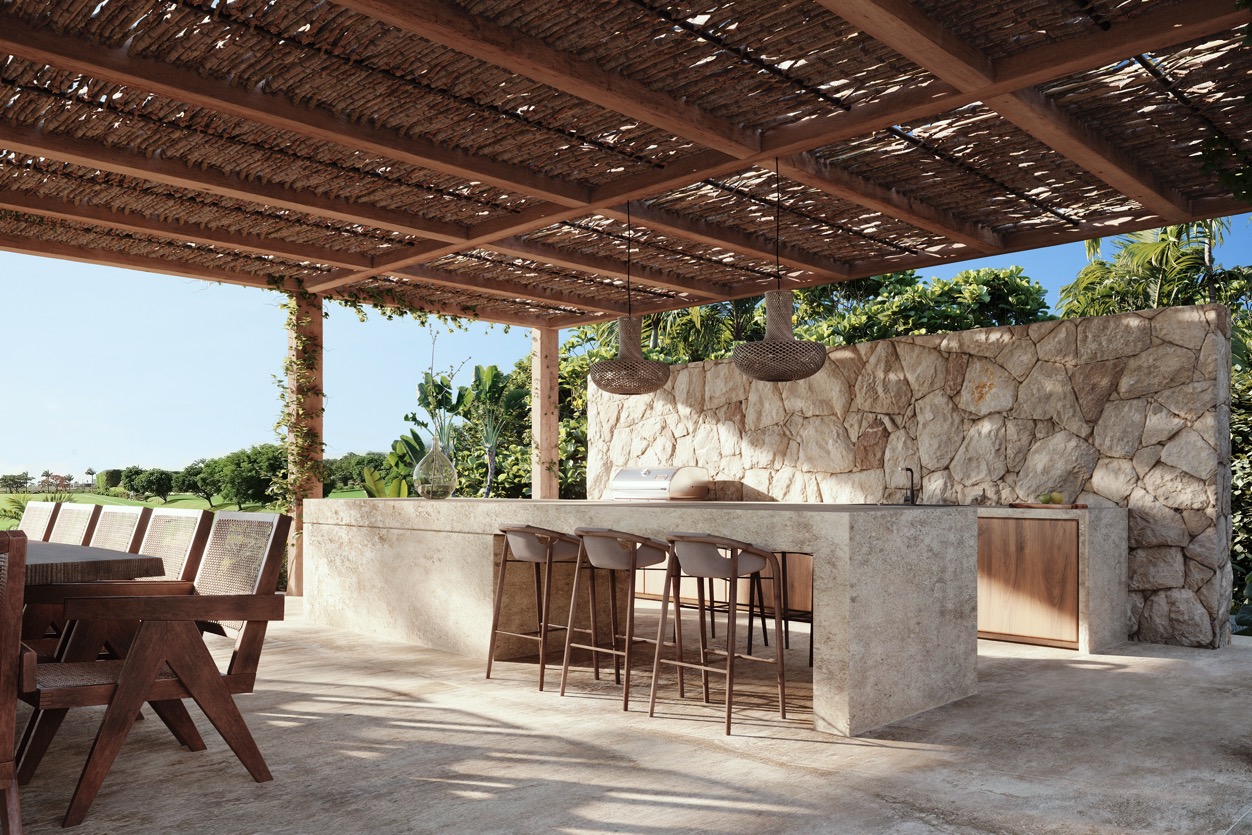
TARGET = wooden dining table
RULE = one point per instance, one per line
(53, 562)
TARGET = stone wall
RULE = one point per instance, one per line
(1130, 410)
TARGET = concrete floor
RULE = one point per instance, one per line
(368, 737)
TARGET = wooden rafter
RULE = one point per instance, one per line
(509, 289)
(174, 172)
(19, 38)
(448, 24)
(648, 276)
(87, 213)
(901, 26)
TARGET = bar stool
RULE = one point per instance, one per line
(542, 548)
(702, 555)
(613, 551)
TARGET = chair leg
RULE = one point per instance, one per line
(191, 661)
(175, 716)
(545, 600)
(712, 610)
(569, 633)
(660, 636)
(592, 623)
(614, 627)
(678, 629)
(40, 730)
(138, 673)
(704, 644)
(786, 603)
(495, 612)
(730, 653)
(778, 654)
(12, 807)
(627, 650)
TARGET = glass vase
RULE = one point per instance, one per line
(434, 477)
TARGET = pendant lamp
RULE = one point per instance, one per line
(779, 357)
(629, 372)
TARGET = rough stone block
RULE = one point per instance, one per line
(1175, 616)
(987, 388)
(1111, 337)
(1061, 463)
(1159, 367)
(1158, 567)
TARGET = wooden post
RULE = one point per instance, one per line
(544, 414)
(304, 381)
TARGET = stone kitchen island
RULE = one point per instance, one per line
(895, 588)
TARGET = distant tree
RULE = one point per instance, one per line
(45, 479)
(129, 479)
(108, 479)
(249, 474)
(15, 482)
(199, 478)
(91, 475)
(155, 482)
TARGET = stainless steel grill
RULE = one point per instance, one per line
(640, 484)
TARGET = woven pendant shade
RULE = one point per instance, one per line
(630, 372)
(779, 357)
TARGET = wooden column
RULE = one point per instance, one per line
(304, 386)
(544, 414)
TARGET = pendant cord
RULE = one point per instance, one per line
(777, 227)
(629, 235)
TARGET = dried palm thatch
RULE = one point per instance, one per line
(475, 157)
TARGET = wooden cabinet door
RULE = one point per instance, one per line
(1028, 580)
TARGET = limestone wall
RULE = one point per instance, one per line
(1130, 410)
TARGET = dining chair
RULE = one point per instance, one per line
(74, 523)
(120, 528)
(37, 520)
(542, 548)
(166, 659)
(617, 553)
(12, 581)
(702, 555)
(175, 535)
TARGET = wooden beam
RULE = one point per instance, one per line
(509, 289)
(609, 267)
(446, 23)
(1044, 120)
(93, 154)
(19, 38)
(735, 240)
(545, 421)
(406, 298)
(87, 213)
(806, 169)
(904, 28)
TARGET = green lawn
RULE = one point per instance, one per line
(181, 500)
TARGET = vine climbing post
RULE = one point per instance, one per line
(302, 398)
(544, 414)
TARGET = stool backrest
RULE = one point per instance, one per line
(708, 555)
(530, 543)
(612, 549)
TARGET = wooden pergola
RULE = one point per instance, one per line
(480, 158)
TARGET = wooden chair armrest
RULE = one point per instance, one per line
(60, 592)
(246, 607)
(26, 676)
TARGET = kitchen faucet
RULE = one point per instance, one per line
(911, 496)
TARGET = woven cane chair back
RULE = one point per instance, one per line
(120, 528)
(243, 556)
(74, 524)
(37, 519)
(177, 537)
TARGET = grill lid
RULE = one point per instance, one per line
(659, 483)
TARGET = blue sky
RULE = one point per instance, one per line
(109, 368)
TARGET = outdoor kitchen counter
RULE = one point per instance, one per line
(895, 588)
